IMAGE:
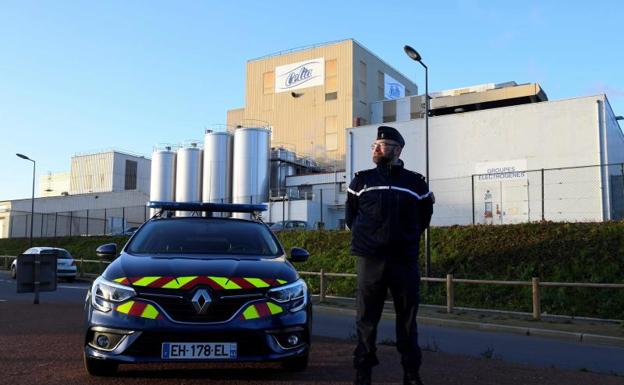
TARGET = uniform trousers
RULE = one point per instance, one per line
(375, 275)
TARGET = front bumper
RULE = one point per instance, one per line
(141, 339)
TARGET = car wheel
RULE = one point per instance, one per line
(13, 272)
(99, 368)
(296, 364)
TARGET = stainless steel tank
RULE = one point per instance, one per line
(162, 183)
(188, 175)
(250, 182)
(217, 171)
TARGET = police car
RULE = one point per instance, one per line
(198, 288)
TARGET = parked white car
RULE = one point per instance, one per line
(65, 264)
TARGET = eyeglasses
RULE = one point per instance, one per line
(383, 145)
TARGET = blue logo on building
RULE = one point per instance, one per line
(299, 75)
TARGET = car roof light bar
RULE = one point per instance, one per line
(207, 207)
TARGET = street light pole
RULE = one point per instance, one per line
(414, 55)
(32, 203)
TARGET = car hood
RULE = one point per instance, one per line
(132, 267)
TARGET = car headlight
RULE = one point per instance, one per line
(293, 296)
(105, 293)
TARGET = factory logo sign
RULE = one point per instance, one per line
(300, 75)
(392, 88)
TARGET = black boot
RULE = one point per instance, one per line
(363, 376)
(411, 378)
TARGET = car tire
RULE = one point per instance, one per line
(99, 368)
(13, 272)
(296, 364)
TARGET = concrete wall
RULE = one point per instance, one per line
(546, 135)
(54, 184)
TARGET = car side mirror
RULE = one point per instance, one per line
(107, 252)
(297, 254)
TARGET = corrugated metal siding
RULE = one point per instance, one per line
(119, 172)
(91, 173)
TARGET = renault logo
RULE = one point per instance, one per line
(201, 301)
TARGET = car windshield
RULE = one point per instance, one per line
(204, 236)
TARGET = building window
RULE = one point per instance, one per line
(380, 85)
(331, 133)
(131, 175)
(362, 82)
(268, 82)
(331, 79)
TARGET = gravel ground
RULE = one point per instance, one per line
(42, 344)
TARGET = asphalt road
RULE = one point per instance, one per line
(42, 344)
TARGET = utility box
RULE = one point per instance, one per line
(36, 272)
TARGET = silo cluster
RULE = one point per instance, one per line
(225, 168)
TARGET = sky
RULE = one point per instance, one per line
(85, 76)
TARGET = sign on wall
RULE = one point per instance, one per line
(501, 171)
(309, 73)
(392, 88)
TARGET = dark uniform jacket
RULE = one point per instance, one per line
(387, 210)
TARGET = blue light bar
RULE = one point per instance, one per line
(207, 207)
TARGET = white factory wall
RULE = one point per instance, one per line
(553, 134)
(91, 173)
(94, 213)
(143, 172)
(54, 184)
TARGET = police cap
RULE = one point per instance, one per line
(391, 133)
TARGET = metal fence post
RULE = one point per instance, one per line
(71, 217)
(123, 219)
(81, 267)
(55, 222)
(321, 221)
(87, 222)
(450, 294)
(322, 286)
(543, 215)
(105, 221)
(536, 298)
(473, 199)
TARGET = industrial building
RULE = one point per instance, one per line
(309, 96)
(105, 192)
(505, 154)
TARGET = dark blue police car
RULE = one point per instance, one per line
(198, 288)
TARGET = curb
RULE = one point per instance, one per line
(492, 327)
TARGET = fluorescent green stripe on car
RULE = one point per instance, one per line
(251, 313)
(150, 312)
(178, 282)
(145, 281)
(225, 283)
(257, 282)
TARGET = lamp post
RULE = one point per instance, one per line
(32, 205)
(414, 55)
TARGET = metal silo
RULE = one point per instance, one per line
(250, 182)
(217, 173)
(188, 175)
(162, 183)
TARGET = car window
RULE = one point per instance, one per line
(204, 236)
(60, 253)
(289, 225)
(300, 225)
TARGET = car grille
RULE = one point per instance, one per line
(222, 307)
(149, 344)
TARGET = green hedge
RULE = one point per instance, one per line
(561, 252)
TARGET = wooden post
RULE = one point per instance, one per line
(322, 287)
(536, 299)
(450, 294)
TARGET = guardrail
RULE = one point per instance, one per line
(450, 282)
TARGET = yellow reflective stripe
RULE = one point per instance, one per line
(150, 312)
(125, 308)
(257, 282)
(225, 283)
(178, 282)
(281, 281)
(145, 281)
(275, 309)
(119, 280)
(251, 313)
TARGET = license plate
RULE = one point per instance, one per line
(199, 351)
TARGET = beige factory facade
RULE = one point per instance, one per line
(310, 96)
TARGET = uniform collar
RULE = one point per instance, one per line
(390, 169)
